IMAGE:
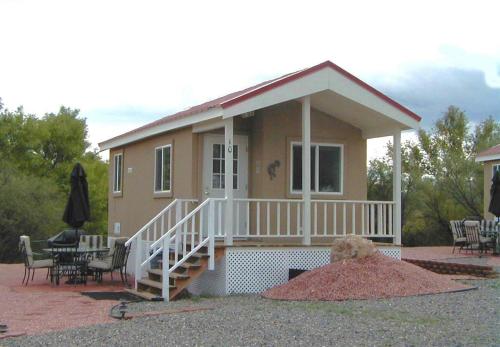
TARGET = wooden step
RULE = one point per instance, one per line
(175, 275)
(184, 265)
(200, 255)
(151, 283)
(145, 295)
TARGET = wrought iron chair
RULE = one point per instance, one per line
(117, 261)
(30, 264)
(474, 238)
(459, 239)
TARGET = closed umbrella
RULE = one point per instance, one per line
(77, 209)
(495, 195)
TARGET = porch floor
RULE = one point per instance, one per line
(289, 242)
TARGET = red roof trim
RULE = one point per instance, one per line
(490, 151)
(245, 94)
(311, 70)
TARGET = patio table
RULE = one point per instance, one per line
(77, 267)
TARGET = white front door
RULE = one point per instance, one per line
(214, 172)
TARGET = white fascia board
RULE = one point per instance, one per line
(307, 85)
(351, 90)
(161, 128)
(208, 125)
(488, 158)
(380, 132)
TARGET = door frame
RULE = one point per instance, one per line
(243, 166)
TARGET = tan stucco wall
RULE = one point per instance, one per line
(270, 132)
(276, 127)
(138, 203)
(488, 175)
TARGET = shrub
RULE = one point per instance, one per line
(352, 246)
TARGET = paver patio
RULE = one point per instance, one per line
(42, 307)
(443, 253)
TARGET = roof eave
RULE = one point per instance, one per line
(212, 113)
(491, 157)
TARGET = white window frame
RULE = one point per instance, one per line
(116, 173)
(494, 167)
(170, 167)
(316, 191)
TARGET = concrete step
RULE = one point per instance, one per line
(145, 295)
(153, 284)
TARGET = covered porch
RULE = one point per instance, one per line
(318, 140)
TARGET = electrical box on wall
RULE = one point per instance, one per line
(116, 230)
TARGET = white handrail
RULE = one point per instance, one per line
(182, 221)
(155, 253)
(164, 217)
(148, 224)
(180, 231)
(155, 218)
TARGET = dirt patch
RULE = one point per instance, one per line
(373, 277)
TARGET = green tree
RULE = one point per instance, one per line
(28, 205)
(37, 156)
(441, 180)
(449, 154)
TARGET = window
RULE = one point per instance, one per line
(219, 169)
(163, 167)
(496, 168)
(326, 168)
(117, 173)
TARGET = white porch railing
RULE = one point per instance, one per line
(156, 228)
(329, 218)
(268, 217)
(180, 237)
(342, 217)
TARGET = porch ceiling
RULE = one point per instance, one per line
(372, 123)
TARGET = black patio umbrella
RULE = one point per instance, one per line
(495, 195)
(77, 209)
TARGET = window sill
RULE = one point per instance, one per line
(117, 194)
(162, 195)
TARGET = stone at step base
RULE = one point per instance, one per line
(145, 295)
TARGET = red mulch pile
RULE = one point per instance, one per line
(373, 277)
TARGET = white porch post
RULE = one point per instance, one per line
(396, 185)
(306, 169)
(228, 218)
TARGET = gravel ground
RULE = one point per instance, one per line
(460, 319)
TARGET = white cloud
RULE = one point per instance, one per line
(159, 55)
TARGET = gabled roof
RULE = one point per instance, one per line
(492, 153)
(232, 99)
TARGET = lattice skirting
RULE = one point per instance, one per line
(245, 270)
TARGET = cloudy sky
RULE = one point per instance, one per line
(125, 63)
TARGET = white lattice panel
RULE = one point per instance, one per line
(253, 271)
(244, 270)
(211, 283)
(308, 259)
(394, 252)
